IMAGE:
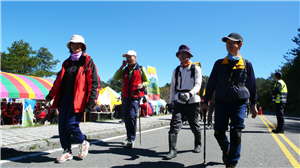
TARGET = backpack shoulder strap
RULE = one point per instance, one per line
(193, 71)
(193, 67)
(141, 71)
(176, 78)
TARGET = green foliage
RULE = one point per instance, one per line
(102, 84)
(290, 74)
(46, 63)
(264, 87)
(165, 92)
(22, 59)
(115, 84)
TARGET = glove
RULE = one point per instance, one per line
(184, 96)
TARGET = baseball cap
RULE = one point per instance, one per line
(130, 52)
(233, 37)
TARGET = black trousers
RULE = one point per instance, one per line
(191, 112)
(280, 115)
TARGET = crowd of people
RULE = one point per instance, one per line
(230, 88)
(11, 113)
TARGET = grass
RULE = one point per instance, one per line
(33, 147)
(48, 143)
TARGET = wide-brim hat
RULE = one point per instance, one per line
(185, 48)
(130, 52)
(233, 37)
(76, 39)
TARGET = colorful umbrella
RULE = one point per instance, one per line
(25, 87)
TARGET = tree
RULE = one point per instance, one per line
(116, 85)
(102, 84)
(19, 60)
(290, 74)
(46, 63)
(22, 59)
(165, 92)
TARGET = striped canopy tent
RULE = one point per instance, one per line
(23, 86)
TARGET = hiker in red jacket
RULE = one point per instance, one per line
(74, 91)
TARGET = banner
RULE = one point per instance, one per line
(27, 117)
(153, 88)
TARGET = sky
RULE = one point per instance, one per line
(155, 30)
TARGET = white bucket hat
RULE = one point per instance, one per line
(130, 52)
(76, 39)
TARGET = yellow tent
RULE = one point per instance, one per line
(109, 96)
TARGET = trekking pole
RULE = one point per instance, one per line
(139, 111)
(204, 153)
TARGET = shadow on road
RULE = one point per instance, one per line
(25, 157)
(163, 164)
(205, 165)
(134, 153)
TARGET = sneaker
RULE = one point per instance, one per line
(67, 155)
(83, 149)
(130, 144)
(125, 142)
(208, 127)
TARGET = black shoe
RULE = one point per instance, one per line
(277, 131)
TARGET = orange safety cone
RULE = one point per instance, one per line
(260, 111)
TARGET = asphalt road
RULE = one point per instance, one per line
(260, 148)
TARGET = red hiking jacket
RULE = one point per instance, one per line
(86, 89)
(129, 89)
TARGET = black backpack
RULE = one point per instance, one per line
(178, 73)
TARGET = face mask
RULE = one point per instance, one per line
(75, 57)
(231, 58)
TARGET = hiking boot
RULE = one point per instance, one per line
(225, 154)
(130, 144)
(172, 147)
(83, 149)
(67, 155)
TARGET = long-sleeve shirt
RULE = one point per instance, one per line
(119, 75)
(213, 81)
(185, 82)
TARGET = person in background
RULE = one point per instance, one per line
(74, 91)
(42, 115)
(184, 94)
(279, 94)
(233, 81)
(135, 79)
(210, 111)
